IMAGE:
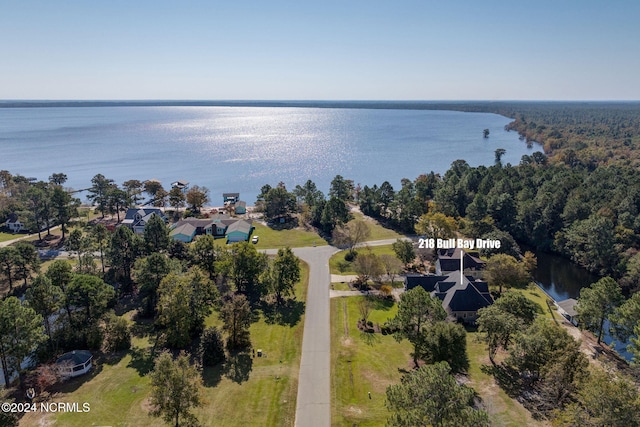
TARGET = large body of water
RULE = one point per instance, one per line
(239, 149)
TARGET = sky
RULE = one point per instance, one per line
(320, 50)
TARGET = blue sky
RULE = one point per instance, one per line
(363, 50)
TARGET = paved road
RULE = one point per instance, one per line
(314, 383)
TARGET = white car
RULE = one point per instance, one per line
(254, 239)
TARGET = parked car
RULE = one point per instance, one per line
(254, 239)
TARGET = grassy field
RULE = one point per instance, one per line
(362, 363)
(297, 237)
(378, 231)
(339, 256)
(502, 409)
(246, 391)
(9, 236)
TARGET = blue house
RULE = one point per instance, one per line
(241, 207)
(239, 231)
(183, 233)
(137, 218)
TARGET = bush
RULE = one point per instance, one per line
(385, 290)
(117, 335)
(343, 266)
(350, 256)
(211, 349)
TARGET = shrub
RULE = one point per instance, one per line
(385, 290)
(343, 266)
(350, 256)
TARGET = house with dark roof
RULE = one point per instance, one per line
(14, 224)
(74, 363)
(449, 261)
(426, 281)
(461, 297)
(137, 218)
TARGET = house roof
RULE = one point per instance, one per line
(180, 183)
(219, 216)
(76, 357)
(428, 282)
(143, 212)
(185, 229)
(235, 195)
(195, 222)
(449, 260)
(13, 218)
(241, 203)
(569, 306)
(462, 294)
(241, 226)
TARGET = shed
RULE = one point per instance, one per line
(74, 363)
(567, 308)
(241, 207)
(239, 231)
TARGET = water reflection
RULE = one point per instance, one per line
(563, 279)
(560, 277)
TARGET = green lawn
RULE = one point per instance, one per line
(502, 409)
(362, 363)
(339, 256)
(9, 236)
(378, 232)
(247, 391)
(297, 237)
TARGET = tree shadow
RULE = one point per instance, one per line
(142, 360)
(113, 358)
(212, 375)
(378, 303)
(370, 338)
(507, 378)
(70, 385)
(238, 366)
(287, 313)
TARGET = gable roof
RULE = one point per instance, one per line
(185, 229)
(143, 213)
(569, 306)
(427, 282)
(449, 260)
(195, 222)
(463, 294)
(13, 219)
(241, 226)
